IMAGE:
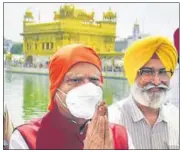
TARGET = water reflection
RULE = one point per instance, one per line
(27, 95)
(35, 95)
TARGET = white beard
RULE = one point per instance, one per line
(148, 99)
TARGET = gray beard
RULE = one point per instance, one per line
(149, 99)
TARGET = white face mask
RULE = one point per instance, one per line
(82, 101)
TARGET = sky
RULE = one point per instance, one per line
(153, 18)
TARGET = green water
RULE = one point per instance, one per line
(26, 95)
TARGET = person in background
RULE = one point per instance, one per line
(7, 127)
(149, 64)
(173, 95)
(78, 116)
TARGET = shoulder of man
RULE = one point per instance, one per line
(115, 110)
(168, 107)
(17, 141)
(28, 132)
(171, 113)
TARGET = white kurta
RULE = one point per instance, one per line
(163, 135)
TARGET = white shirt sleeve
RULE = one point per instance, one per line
(130, 143)
(17, 141)
(114, 114)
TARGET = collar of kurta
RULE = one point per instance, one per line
(137, 114)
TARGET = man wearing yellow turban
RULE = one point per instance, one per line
(152, 123)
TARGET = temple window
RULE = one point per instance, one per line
(47, 46)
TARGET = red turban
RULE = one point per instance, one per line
(176, 40)
(64, 59)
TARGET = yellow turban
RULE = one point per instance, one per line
(141, 51)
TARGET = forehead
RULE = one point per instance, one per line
(155, 63)
(85, 69)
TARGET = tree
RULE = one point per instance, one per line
(8, 56)
(17, 48)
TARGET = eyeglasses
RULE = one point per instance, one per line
(76, 81)
(148, 74)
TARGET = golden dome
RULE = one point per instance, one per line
(28, 14)
(67, 10)
(109, 14)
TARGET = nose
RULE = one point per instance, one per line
(156, 80)
(86, 80)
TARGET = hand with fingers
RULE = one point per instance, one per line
(99, 135)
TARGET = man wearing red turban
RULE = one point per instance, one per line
(77, 117)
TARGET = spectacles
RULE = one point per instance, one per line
(76, 81)
(148, 74)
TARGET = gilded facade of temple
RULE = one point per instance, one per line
(70, 25)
